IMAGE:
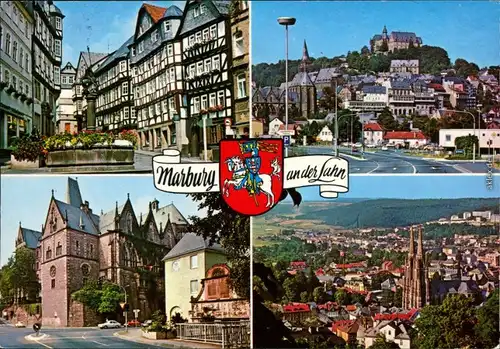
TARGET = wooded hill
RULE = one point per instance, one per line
(433, 60)
(383, 213)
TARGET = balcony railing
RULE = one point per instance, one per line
(227, 334)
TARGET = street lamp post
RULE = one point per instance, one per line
(126, 312)
(286, 21)
(177, 119)
(474, 125)
(337, 119)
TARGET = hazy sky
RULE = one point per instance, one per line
(466, 30)
(27, 198)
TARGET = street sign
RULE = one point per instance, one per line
(136, 312)
(459, 151)
(286, 141)
(286, 132)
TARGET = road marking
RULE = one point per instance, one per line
(106, 345)
(45, 345)
(375, 169)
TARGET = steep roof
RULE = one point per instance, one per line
(173, 11)
(30, 237)
(122, 52)
(73, 195)
(190, 243)
(156, 12)
(76, 216)
(405, 135)
(372, 127)
(163, 214)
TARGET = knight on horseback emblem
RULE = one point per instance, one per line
(246, 172)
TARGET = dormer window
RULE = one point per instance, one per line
(133, 51)
(141, 47)
(58, 23)
(167, 26)
(203, 8)
(196, 11)
(154, 36)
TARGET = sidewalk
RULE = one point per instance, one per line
(135, 335)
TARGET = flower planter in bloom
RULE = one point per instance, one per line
(24, 164)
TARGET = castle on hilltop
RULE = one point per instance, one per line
(393, 41)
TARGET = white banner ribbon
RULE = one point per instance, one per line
(330, 173)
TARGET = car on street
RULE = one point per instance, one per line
(371, 146)
(19, 324)
(110, 324)
(385, 148)
(354, 150)
(133, 323)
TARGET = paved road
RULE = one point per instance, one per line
(66, 338)
(392, 162)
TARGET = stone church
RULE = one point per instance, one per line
(423, 287)
(77, 245)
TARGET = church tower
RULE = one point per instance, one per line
(415, 281)
(306, 60)
(384, 33)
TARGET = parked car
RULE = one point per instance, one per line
(133, 323)
(110, 324)
(147, 323)
(385, 148)
(19, 324)
(354, 150)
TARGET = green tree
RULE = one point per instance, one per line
(487, 324)
(449, 325)
(304, 297)
(103, 299)
(467, 143)
(230, 229)
(381, 343)
(387, 120)
(349, 126)
(319, 295)
(290, 290)
(19, 278)
(384, 47)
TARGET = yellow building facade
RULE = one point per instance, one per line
(186, 265)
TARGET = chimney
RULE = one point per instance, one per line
(85, 207)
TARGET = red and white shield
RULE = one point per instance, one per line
(247, 188)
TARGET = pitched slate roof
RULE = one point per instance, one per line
(405, 37)
(31, 237)
(73, 195)
(374, 89)
(190, 243)
(173, 11)
(122, 52)
(75, 215)
(326, 74)
(163, 214)
(107, 220)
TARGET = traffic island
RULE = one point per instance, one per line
(37, 337)
(135, 335)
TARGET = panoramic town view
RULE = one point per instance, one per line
(80, 94)
(380, 268)
(97, 266)
(390, 95)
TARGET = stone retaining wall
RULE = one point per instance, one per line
(90, 157)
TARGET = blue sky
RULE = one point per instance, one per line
(466, 30)
(414, 187)
(102, 25)
(26, 199)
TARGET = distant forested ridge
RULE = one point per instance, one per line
(432, 59)
(392, 213)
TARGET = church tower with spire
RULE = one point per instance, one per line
(306, 61)
(415, 280)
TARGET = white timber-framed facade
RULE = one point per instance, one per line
(115, 104)
(156, 65)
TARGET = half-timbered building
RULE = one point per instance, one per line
(46, 70)
(240, 28)
(156, 65)
(77, 245)
(65, 118)
(114, 106)
(86, 60)
(206, 55)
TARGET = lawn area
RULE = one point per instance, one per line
(426, 155)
